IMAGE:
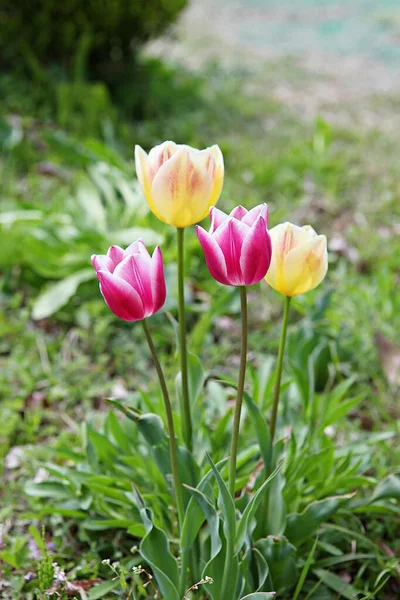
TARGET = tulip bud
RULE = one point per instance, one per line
(299, 259)
(180, 183)
(237, 248)
(131, 281)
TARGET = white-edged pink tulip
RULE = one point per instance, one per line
(237, 248)
(131, 281)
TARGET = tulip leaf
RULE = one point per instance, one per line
(301, 525)
(248, 514)
(154, 549)
(225, 503)
(337, 584)
(280, 556)
(275, 519)
(152, 429)
(388, 488)
(57, 295)
(261, 429)
(259, 596)
(212, 520)
(195, 513)
(262, 568)
(215, 568)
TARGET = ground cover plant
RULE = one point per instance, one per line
(71, 455)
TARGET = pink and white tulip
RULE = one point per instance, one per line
(237, 248)
(131, 281)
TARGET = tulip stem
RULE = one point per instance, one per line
(240, 390)
(187, 418)
(279, 366)
(171, 429)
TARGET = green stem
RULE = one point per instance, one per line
(171, 429)
(240, 389)
(187, 418)
(279, 366)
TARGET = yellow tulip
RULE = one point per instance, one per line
(180, 183)
(299, 259)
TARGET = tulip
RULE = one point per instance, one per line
(131, 281)
(237, 248)
(180, 183)
(299, 259)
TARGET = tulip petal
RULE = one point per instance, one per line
(216, 217)
(116, 254)
(258, 211)
(306, 266)
(143, 175)
(159, 155)
(230, 237)
(136, 270)
(158, 288)
(256, 253)
(238, 212)
(217, 174)
(120, 297)
(137, 247)
(102, 262)
(181, 191)
(214, 256)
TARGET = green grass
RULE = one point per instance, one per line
(56, 371)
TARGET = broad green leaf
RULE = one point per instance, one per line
(301, 525)
(48, 489)
(100, 590)
(243, 528)
(113, 426)
(338, 412)
(155, 550)
(194, 514)
(216, 568)
(275, 521)
(259, 596)
(280, 555)
(261, 429)
(337, 584)
(104, 524)
(57, 295)
(212, 519)
(225, 503)
(388, 488)
(262, 568)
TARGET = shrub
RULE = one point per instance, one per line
(50, 31)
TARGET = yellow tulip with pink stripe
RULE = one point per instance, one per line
(180, 183)
(299, 259)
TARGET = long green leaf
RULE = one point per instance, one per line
(225, 503)
(154, 548)
(261, 429)
(248, 514)
(337, 584)
(301, 525)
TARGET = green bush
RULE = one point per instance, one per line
(50, 31)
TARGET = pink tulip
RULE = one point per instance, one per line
(131, 281)
(237, 248)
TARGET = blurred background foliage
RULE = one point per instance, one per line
(79, 88)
